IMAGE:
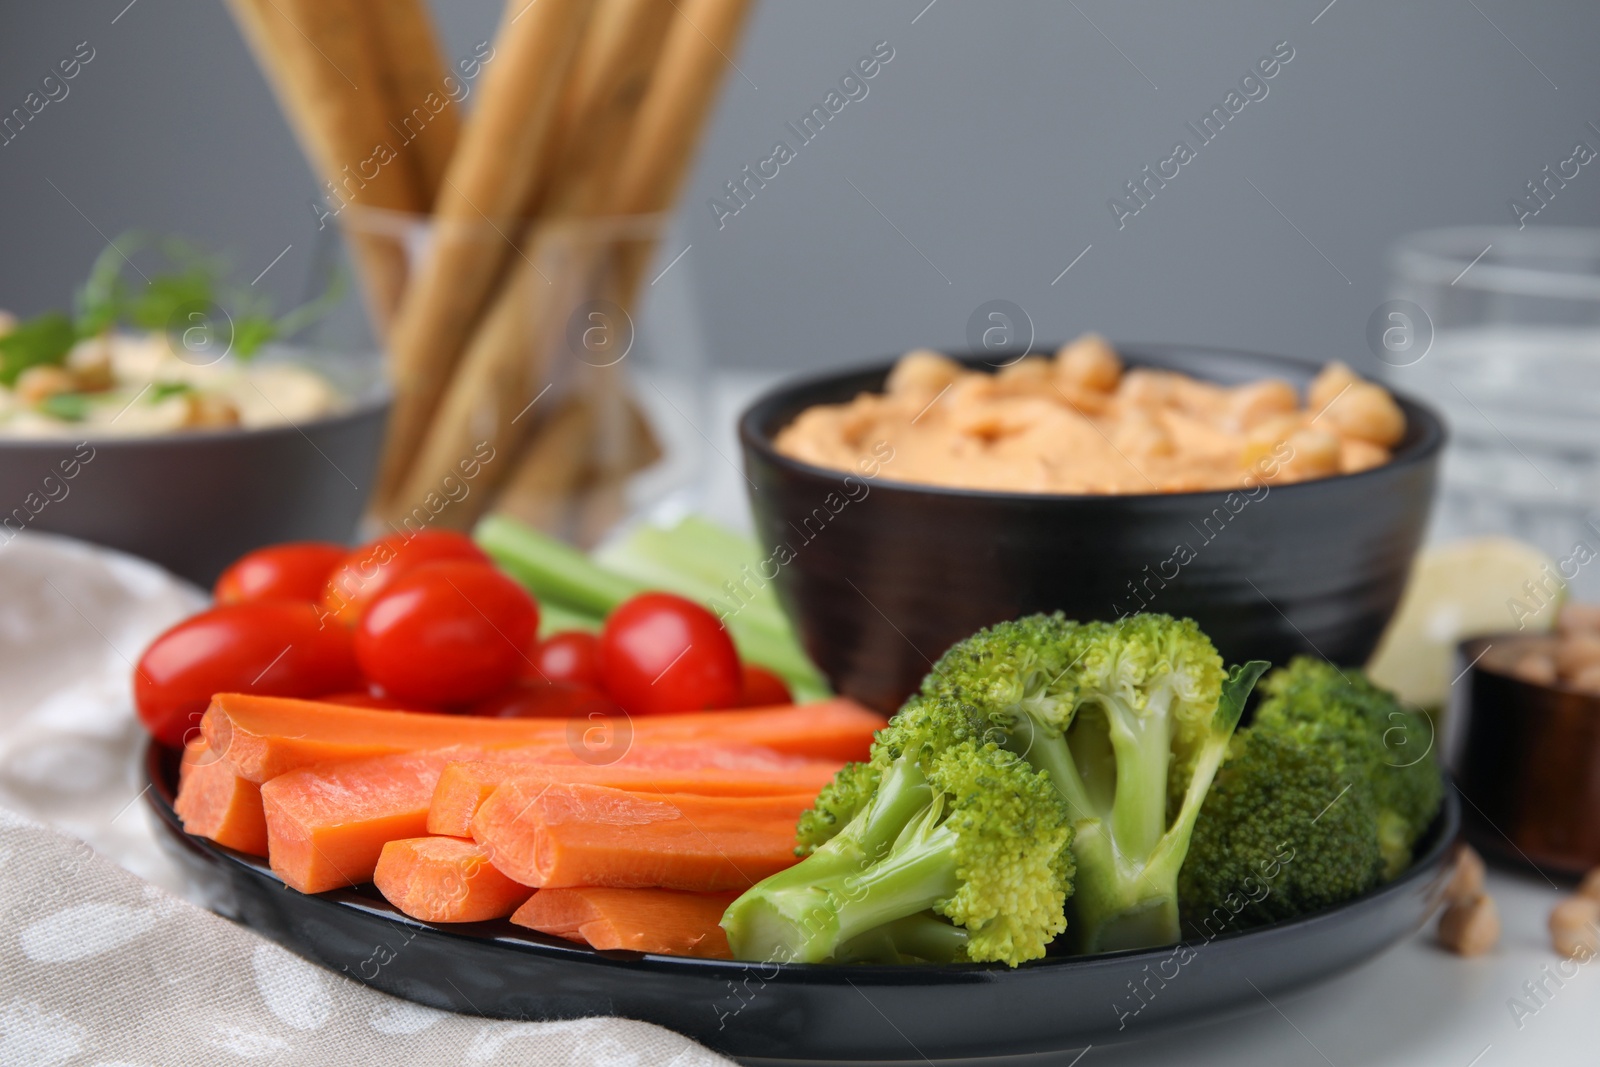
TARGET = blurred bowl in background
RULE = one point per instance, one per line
(1527, 759)
(195, 501)
(879, 587)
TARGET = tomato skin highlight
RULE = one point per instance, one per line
(661, 653)
(544, 700)
(271, 647)
(761, 688)
(363, 575)
(297, 570)
(447, 633)
(568, 656)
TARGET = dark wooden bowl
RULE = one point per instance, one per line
(1527, 760)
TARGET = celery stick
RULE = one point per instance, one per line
(553, 569)
(555, 617)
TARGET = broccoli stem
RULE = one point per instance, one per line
(1142, 744)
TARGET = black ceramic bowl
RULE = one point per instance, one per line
(810, 1013)
(195, 502)
(881, 577)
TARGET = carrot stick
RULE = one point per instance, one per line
(263, 737)
(552, 835)
(445, 880)
(500, 158)
(664, 921)
(215, 802)
(464, 786)
(326, 826)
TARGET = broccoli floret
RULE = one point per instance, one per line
(1396, 744)
(970, 832)
(1283, 831)
(1129, 720)
(835, 806)
(1321, 798)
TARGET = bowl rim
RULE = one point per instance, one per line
(752, 435)
(1442, 834)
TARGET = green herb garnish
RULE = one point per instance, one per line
(43, 340)
(162, 390)
(68, 407)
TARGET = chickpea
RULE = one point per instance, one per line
(1251, 405)
(1139, 435)
(1328, 384)
(208, 411)
(37, 384)
(90, 364)
(1590, 887)
(1575, 927)
(1089, 362)
(1145, 389)
(922, 373)
(1357, 455)
(1575, 618)
(1470, 927)
(1537, 668)
(1314, 454)
(1030, 375)
(1466, 879)
(1587, 679)
(1576, 652)
(1366, 412)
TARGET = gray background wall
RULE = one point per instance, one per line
(978, 166)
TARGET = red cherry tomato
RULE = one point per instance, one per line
(362, 698)
(544, 700)
(568, 656)
(447, 633)
(274, 647)
(295, 571)
(660, 653)
(364, 574)
(760, 688)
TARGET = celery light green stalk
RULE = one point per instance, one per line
(695, 559)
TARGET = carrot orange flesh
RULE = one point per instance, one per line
(463, 787)
(215, 802)
(664, 921)
(555, 835)
(326, 826)
(445, 880)
(264, 737)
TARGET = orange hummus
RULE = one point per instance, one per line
(1079, 423)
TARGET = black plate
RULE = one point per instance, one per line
(772, 1013)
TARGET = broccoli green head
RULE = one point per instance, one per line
(1321, 798)
(1129, 719)
(1286, 829)
(1395, 743)
(969, 836)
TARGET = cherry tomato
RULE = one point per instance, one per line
(447, 633)
(544, 700)
(363, 698)
(760, 688)
(295, 571)
(273, 647)
(364, 574)
(568, 656)
(660, 653)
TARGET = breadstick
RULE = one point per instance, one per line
(489, 180)
(504, 364)
(325, 71)
(414, 72)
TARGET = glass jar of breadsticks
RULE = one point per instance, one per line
(558, 397)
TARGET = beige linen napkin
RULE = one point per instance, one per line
(101, 967)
